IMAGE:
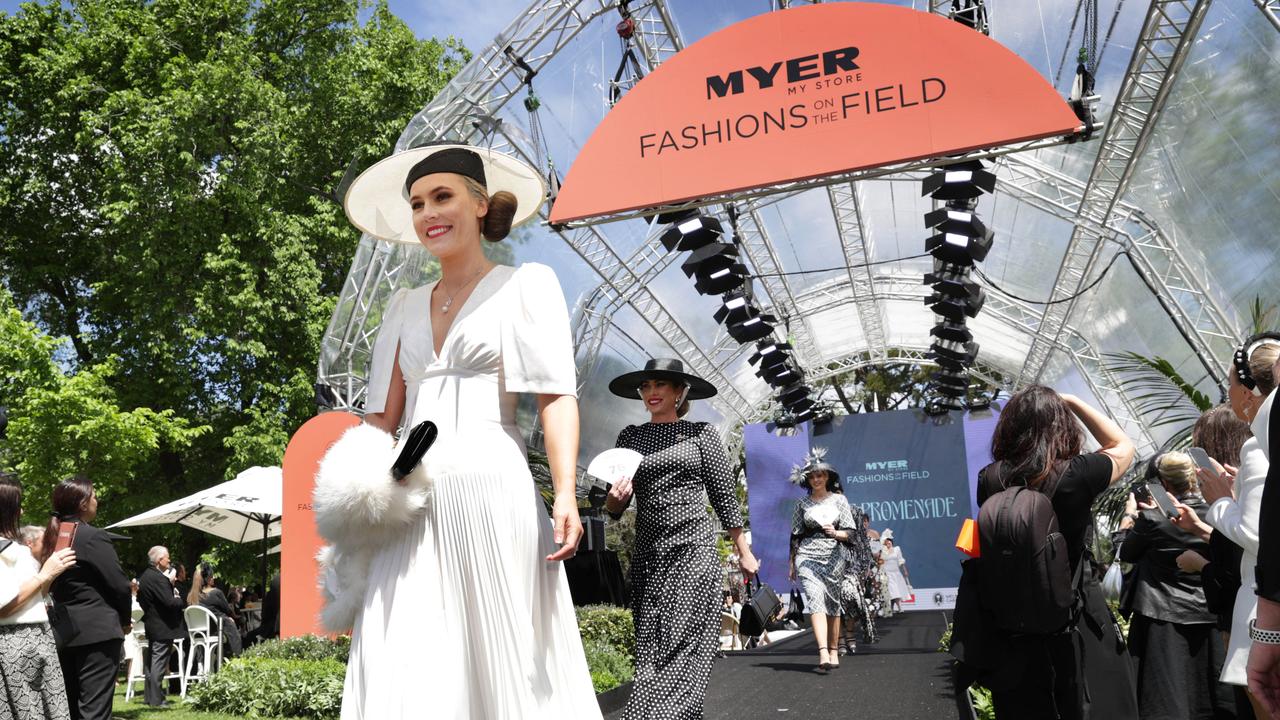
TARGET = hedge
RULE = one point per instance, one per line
(270, 687)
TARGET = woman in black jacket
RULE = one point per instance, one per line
(91, 603)
(1176, 647)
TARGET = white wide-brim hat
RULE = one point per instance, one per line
(378, 202)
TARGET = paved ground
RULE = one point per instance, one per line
(903, 677)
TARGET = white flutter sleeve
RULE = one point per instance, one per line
(384, 353)
(537, 347)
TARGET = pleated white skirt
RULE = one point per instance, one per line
(464, 618)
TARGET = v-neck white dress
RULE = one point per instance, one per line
(463, 616)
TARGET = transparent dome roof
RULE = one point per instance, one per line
(1193, 213)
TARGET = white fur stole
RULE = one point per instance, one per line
(358, 508)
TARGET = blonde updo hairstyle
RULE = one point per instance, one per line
(1178, 473)
(1261, 366)
(496, 223)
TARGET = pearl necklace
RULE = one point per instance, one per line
(449, 302)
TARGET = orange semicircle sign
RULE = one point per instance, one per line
(300, 600)
(808, 92)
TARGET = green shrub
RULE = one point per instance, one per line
(609, 666)
(982, 705)
(270, 687)
(305, 647)
(609, 625)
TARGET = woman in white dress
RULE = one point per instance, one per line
(895, 570)
(467, 613)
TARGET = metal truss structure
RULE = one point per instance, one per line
(1163, 44)
(1271, 9)
(470, 107)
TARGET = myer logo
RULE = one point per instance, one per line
(808, 67)
(887, 465)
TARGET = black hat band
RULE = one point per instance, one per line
(452, 160)
(1240, 360)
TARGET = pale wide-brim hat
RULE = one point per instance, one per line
(378, 201)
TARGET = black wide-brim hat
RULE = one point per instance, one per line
(625, 385)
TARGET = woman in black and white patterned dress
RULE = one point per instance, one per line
(821, 523)
(31, 684)
(675, 570)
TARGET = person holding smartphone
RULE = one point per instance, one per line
(1235, 494)
(92, 603)
(1172, 634)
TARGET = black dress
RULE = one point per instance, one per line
(675, 571)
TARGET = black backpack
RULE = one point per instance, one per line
(1025, 581)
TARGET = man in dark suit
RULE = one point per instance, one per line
(162, 617)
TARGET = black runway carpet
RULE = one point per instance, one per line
(902, 677)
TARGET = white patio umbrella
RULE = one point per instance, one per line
(245, 509)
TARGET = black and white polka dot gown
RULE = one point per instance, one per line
(675, 571)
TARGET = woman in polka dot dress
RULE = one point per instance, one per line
(675, 570)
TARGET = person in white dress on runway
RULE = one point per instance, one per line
(895, 570)
(466, 613)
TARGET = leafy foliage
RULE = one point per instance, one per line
(269, 687)
(305, 647)
(609, 625)
(68, 421)
(609, 666)
(168, 174)
(1158, 389)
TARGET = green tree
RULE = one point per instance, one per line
(168, 174)
(63, 423)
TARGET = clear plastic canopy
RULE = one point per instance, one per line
(1194, 214)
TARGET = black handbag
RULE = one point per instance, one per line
(762, 604)
(795, 609)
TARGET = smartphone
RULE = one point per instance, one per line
(1141, 493)
(1163, 500)
(1201, 458)
(66, 534)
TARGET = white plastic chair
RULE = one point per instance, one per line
(135, 668)
(134, 653)
(204, 639)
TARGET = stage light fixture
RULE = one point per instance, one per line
(982, 402)
(715, 269)
(955, 309)
(757, 327)
(691, 233)
(769, 353)
(736, 307)
(823, 416)
(949, 391)
(792, 392)
(953, 283)
(957, 248)
(952, 331)
(959, 181)
(779, 375)
(954, 353)
(774, 365)
(950, 378)
(803, 415)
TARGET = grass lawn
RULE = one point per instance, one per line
(136, 710)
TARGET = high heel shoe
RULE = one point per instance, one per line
(824, 664)
(835, 658)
